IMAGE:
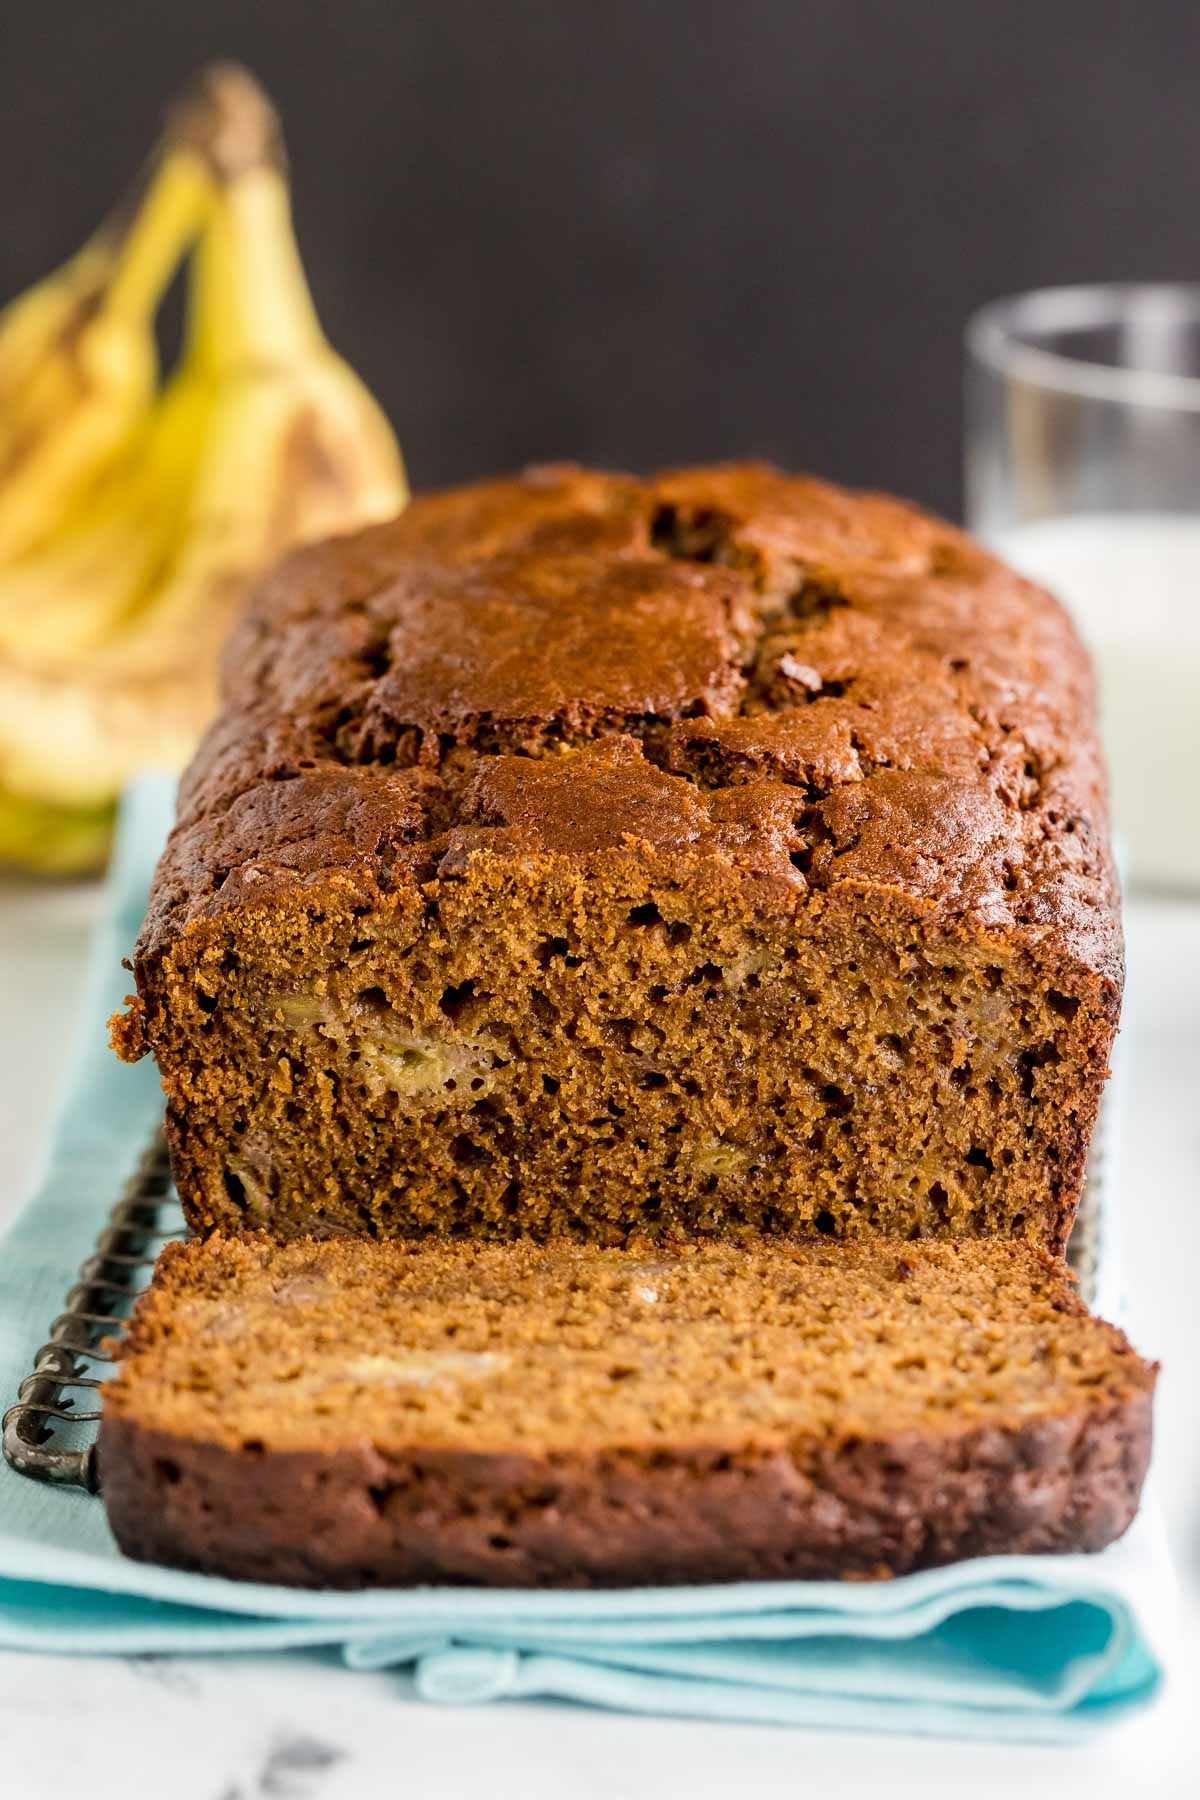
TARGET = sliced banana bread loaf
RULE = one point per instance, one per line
(582, 854)
(341, 1413)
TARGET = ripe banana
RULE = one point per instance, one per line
(67, 597)
(78, 363)
(294, 447)
(262, 438)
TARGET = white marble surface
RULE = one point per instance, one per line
(303, 1728)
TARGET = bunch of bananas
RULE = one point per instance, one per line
(134, 511)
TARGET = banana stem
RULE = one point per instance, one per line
(251, 298)
(220, 127)
(172, 211)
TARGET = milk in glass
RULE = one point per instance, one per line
(1132, 582)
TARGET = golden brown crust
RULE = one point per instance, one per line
(927, 714)
(358, 1519)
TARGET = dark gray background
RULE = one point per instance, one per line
(651, 230)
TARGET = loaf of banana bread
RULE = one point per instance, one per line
(350, 1413)
(587, 855)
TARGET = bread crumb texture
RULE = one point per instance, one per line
(562, 1345)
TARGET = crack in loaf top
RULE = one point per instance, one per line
(774, 678)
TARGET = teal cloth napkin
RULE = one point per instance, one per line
(1014, 1647)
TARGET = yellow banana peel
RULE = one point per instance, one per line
(115, 595)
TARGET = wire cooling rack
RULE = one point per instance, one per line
(49, 1436)
(50, 1433)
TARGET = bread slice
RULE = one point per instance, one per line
(576, 855)
(346, 1413)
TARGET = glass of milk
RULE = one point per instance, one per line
(1083, 471)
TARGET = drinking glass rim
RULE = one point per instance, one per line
(992, 339)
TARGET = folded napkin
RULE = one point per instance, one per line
(1040, 1648)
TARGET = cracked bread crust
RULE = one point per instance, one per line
(748, 707)
(345, 1415)
(928, 714)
